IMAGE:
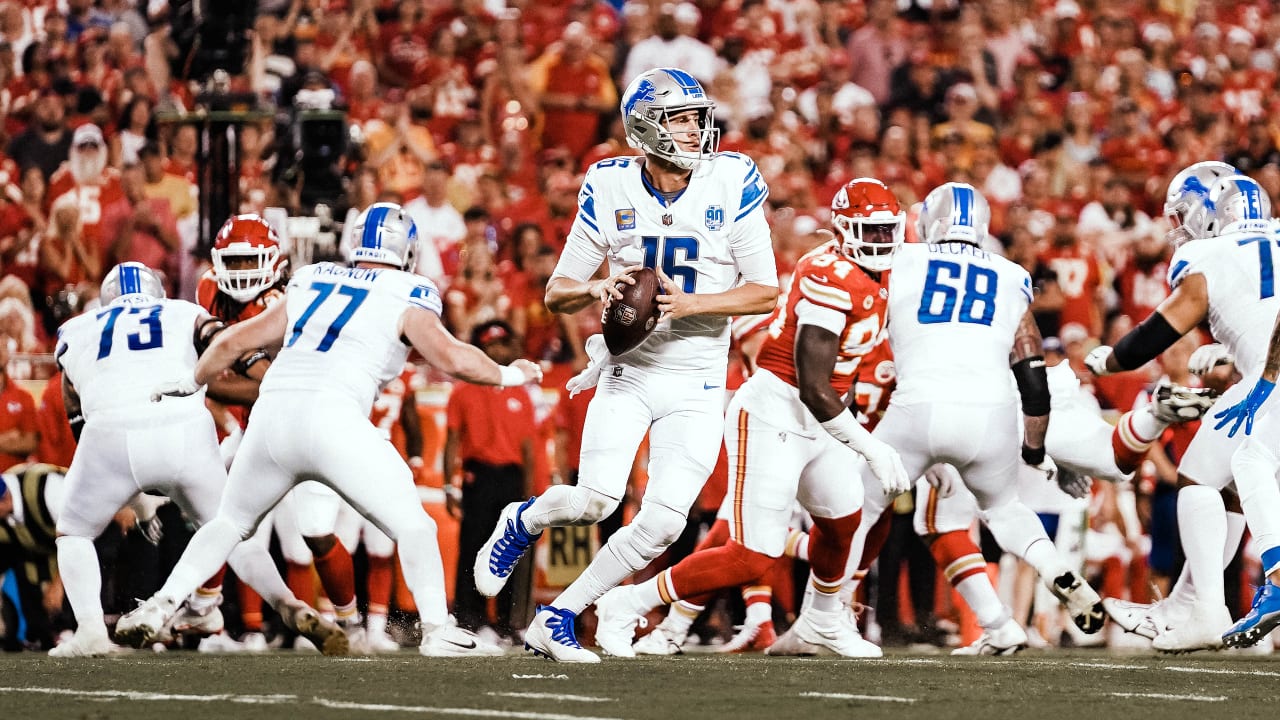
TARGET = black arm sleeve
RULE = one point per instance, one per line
(1033, 385)
(1145, 342)
(205, 332)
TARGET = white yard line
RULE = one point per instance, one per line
(1108, 666)
(539, 676)
(1221, 671)
(137, 695)
(847, 696)
(550, 696)
(466, 712)
(1169, 696)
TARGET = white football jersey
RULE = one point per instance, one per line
(1239, 271)
(699, 239)
(343, 332)
(953, 312)
(116, 355)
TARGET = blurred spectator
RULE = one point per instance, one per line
(19, 238)
(672, 45)
(1111, 224)
(488, 463)
(574, 88)
(876, 49)
(135, 128)
(476, 295)
(547, 337)
(1077, 272)
(46, 143)
(140, 228)
(440, 226)
(18, 431)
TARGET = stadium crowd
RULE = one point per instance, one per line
(481, 116)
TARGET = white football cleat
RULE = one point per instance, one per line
(381, 643)
(833, 631)
(662, 641)
(254, 642)
(1082, 602)
(752, 637)
(1144, 619)
(449, 640)
(1172, 404)
(789, 644)
(1201, 630)
(1006, 638)
(141, 626)
(552, 635)
(506, 545)
(85, 644)
(325, 635)
(616, 622)
(193, 622)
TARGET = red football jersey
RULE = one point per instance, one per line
(826, 278)
(875, 382)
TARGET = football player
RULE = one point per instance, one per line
(1211, 281)
(961, 408)
(342, 333)
(110, 359)
(696, 216)
(790, 437)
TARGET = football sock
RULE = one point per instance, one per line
(964, 567)
(1020, 532)
(379, 582)
(1133, 436)
(759, 600)
(253, 565)
(208, 550)
(797, 545)
(829, 543)
(250, 607)
(630, 549)
(301, 581)
(338, 577)
(727, 566)
(682, 615)
(1202, 523)
(204, 598)
(82, 580)
(377, 623)
(422, 568)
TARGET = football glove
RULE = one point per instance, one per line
(1096, 360)
(1208, 357)
(887, 466)
(1073, 483)
(1046, 466)
(943, 477)
(175, 388)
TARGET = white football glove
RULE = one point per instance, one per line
(1046, 466)
(1096, 360)
(1207, 357)
(175, 388)
(887, 466)
(1073, 483)
(943, 477)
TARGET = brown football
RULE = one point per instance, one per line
(630, 320)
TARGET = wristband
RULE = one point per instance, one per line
(510, 376)
(1032, 456)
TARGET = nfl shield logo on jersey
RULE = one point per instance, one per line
(626, 219)
(715, 217)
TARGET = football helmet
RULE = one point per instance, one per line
(954, 212)
(652, 99)
(384, 233)
(863, 202)
(251, 239)
(1186, 204)
(1239, 203)
(130, 278)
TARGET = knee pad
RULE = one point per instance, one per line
(653, 530)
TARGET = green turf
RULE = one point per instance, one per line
(1033, 686)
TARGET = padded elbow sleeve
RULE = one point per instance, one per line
(1145, 342)
(1033, 385)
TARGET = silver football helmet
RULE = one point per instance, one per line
(1186, 204)
(1239, 203)
(130, 278)
(384, 233)
(649, 102)
(954, 212)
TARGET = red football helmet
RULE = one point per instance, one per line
(247, 258)
(867, 202)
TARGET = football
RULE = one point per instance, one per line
(629, 321)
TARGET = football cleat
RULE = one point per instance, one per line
(1006, 638)
(833, 631)
(1082, 602)
(789, 644)
(325, 635)
(751, 637)
(1173, 404)
(1203, 629)
(1138, 618)
(84, 644)
(380, 642)
(254, 642)
(192, 622)
(1262, 618)
(449, 640)
(616, 623)
(504, 548)
(662, 641)
(145, 623)
(551, 635)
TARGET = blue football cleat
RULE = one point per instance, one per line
(504, 548)
(1263, 617)
(551, 635)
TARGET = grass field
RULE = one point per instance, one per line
(1075, 685)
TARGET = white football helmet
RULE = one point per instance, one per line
(130, 278)
(954, 212)
(1187, 206)
(651, 99)
(1239, 203)
(384, 233)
